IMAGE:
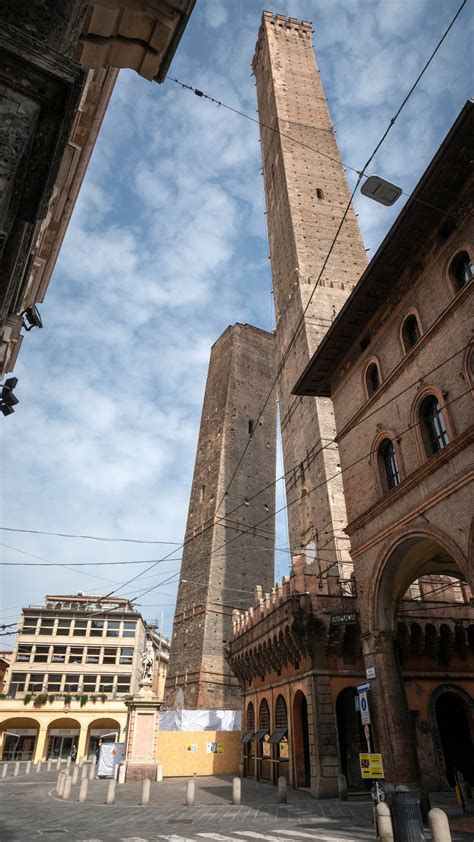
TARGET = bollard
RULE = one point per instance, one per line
(282, 790)
(38, 766)
(94, 760)
(60, 784)
(110, 797)
(81, 762)
(236, 790)
(68, 764)
(16, 768)
(75, 774)
(50, 760)
(84, 772)
(145, 792)
(384, 822)
(92, 772)
(190, 793)
(67, 787)
(121, 773)
(4, 770)
(58, 763)
(28, 767)
(342, 787)
(159, 772)
(439, 825)
(83, 790)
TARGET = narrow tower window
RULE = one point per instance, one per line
(319, 193)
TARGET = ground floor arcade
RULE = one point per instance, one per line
(52, 731)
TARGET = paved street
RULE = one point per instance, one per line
(31, 810)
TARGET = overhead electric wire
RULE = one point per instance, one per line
(319, 485)
(89, 537)
(360, 173)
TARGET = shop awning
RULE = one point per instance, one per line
(248, 736)
(277, 736)
(259, 735)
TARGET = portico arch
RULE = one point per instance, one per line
(99, 731)
(18, 737)
(62, 734)
(425, 551)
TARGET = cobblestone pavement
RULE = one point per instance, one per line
(31, 811)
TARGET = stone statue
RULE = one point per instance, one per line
(148, 660)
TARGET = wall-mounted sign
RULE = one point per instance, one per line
(371, 765)
(364, 708)
(344, 618)
(370, 672)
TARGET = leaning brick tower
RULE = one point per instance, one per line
(306, 195)
(225, 555)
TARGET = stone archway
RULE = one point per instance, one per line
(300, 748)
(409, 556)
(451, 712)
(62, 734)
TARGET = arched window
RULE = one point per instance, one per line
(264, 717)
(281, 715)
(461, 270)
(372, 379)
(250, 717)
(388, 465)
(432, 424)
(410, 332)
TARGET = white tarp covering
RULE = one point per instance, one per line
(111, 754)
(200, 720)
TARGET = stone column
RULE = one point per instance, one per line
(41, 747)
(81, 745)
(142, 735)
(392, 733)
(322, 728)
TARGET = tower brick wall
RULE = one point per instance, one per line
(306, 195)
(224, 558)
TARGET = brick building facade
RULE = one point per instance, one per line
(223, 558)
(397, 364)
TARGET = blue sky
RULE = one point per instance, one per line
(167, 246)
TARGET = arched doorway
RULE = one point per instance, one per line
(453, 721)
(350, 738)
(19, 738)
(249, 743)
(430, 555)
(279, 739)
(62, 735)
(101, 731)
(301, 740)
(264, 750)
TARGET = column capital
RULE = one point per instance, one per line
(378, 641)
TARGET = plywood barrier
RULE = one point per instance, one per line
(185, 753)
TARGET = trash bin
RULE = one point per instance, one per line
(406, 816)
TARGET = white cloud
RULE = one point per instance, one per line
(167, 246)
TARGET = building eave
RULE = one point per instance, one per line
(429, 207)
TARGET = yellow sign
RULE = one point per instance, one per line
(371, 765)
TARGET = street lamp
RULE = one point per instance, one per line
(7, 399)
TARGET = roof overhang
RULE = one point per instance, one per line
(433, 205)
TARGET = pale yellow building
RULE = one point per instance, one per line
(76, 663)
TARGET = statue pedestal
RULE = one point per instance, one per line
(142, 735)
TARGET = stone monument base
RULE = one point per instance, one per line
(142, 736)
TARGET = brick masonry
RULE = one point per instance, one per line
(225, 555)
(306, 196)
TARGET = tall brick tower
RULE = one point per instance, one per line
(306, 194)
(222, 561)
